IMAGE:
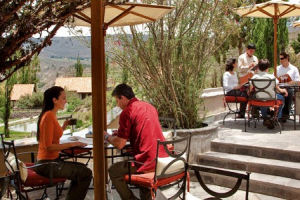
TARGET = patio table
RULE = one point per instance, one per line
(294, 88)
(125, 152)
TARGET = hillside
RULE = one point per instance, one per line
(58, 59)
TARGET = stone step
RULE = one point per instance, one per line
(251, 164)
(281, 187)
(275, 147)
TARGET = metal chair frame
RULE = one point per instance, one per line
(177, 157)
(16, 182)
(269, 101)
(218, 195)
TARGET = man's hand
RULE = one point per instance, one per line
(114, 132)
(285, 92)
(252, 65)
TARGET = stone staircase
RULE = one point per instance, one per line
(272, 159)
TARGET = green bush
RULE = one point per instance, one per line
(73, 101)
(29, 102)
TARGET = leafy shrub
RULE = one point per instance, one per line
(73, 101)
(29, 102)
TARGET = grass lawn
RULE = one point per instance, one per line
(15, 134)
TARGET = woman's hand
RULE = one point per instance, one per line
(66, 123)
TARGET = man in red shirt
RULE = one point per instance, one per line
(140, 125)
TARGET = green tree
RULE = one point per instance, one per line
(170, 61)
(78, 67)
(20, 20)
(6, 109)
(296, 45)
(262, 35)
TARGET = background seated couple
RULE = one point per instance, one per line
(233, 88)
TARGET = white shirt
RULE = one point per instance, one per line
(243, 63)
(271, 89)
(230, 81)
(291, 70)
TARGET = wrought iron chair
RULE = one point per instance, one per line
(25, 179)
(263, 95)
(218, 195)
(169, 171)
(232, 103)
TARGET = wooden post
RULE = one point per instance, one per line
(98, 97)
(275, 20)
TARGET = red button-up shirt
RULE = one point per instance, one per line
(139, 123)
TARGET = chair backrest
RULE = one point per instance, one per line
(9, 153)
(177, 160)
(263, 89)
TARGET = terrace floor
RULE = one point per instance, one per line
(232, 131)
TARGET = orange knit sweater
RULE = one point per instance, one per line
(50, 133)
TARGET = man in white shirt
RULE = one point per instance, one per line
(287, 68)
(247, 60)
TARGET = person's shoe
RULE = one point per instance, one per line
(267, 122)
(282, 120)
(285, 117)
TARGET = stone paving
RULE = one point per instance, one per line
(231, 131)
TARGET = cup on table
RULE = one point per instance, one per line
(72, 121)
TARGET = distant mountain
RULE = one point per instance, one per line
(68, 48)
(59, 58)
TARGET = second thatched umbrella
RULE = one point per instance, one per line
(274, 9)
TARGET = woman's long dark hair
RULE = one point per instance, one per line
(229, 64)
(48, 104)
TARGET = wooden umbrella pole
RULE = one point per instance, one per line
(275, 45)
(98, 97)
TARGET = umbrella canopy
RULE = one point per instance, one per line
(100, 15)
(296, 24)
(274, 9)
(124, 14)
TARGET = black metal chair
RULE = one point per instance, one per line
(232, 103)
(18, 171)
(218, 195)
(263, 95)
(169, 170)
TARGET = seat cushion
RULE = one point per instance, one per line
(33, 179)
(265, 103)
(233, 99)
(147, 179)
(11, 165)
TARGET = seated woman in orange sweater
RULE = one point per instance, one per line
(48, 134)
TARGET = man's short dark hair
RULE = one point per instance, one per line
(251, 46)
(285, 55)
(123, 90)
(263, 64)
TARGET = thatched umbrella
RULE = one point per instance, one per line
(274, 9)
(100, 15)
